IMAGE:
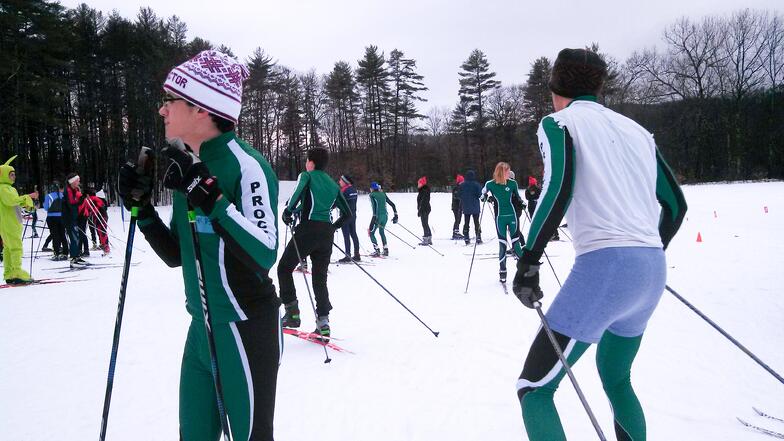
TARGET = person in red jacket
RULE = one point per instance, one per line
(71, 219)
(93, 208)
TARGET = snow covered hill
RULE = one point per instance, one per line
(402, 383)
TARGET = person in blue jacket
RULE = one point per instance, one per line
(53, 204)
(349, 228)
(470, 192)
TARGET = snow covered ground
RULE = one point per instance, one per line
(402, 383)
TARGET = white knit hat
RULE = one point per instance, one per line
(211, 80)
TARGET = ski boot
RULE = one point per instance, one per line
(385, 253)
(356, 258)
(322, 329)
(479, 240)
(502, 276)
(427, 240)
(291, 317)
(78, 262)
(18, 282)
(345, 260)
(45, 249)
(375, 253)
(456, 235)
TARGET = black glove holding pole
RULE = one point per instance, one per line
(134, 183)
(526, 284)
(287, 217)
(188, 174)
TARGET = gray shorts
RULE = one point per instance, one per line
(611, 289)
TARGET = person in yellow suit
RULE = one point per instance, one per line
(11, 205)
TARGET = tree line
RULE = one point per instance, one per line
(80, 92)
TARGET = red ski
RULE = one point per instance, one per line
(314, 338)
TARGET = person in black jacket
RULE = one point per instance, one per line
(423, 210)
(532, 193)
(457, 208)
(349, 228)
(470, 192)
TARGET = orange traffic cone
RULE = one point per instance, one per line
(699, 237)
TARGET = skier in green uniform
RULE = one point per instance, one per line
(604, 173)
(234, 194)
(314, 198)
(11, 205)
(379, 201)
(504, 194)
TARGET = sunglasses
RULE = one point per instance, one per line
(170, 98)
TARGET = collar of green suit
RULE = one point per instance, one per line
(215, 147)
(582, 98)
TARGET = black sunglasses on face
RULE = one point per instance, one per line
(169, 98)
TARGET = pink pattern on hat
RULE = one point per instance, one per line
(215, 83)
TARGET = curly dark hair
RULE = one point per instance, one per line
(577, 72)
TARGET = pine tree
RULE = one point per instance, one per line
(476, 82)
(405, 84)
(538, 101)
(340, 88)
(257, 101)
(372, 76)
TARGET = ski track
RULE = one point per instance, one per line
(402, 383)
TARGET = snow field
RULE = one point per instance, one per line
(402, 383)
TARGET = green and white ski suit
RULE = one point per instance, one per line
(238, 243)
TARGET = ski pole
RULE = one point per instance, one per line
(412, 233)
(572, 378)
(120, 240)
(557, 348)
(122, 214)
(310, 294)
(102, 223)
(473, 254)
(118, 323)
(142, 164)
(548, 259)
(205, 308)
(725, 334)
(24, 232)
(400, 239)
(435, 333)
(431, 246)
(32, 249)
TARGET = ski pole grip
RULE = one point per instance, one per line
(144, 162)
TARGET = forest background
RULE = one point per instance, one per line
(80, 91)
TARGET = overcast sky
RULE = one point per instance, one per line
(439, 35)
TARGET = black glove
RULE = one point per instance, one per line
(288, 219)
(189, 175)
(134, 188)
(526, 284)
(394, 219)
